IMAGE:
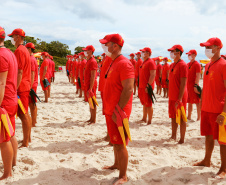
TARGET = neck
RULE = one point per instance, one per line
(18, 43)
(216, 57)
(89, 57)
(192, 60)
(2, 44)
(146, 58)
(115, 55)
(176, 59)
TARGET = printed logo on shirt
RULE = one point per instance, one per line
(211, 75)
(174, 71)
(109, 73)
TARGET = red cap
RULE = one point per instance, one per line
(157, 58)
(17, 31)
(176, 47)
(2, 32)
(45, 54)
(223, 56)
(103, 54)
(30, 45)
(75, 56)
(165, 58)
(146, 49)
(138, 53)
(89, 47)
(132, 55)
(212, 41)
(193, 51)
(116, 38)
(82, 53)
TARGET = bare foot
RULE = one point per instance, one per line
(221, 175)
(172, 138)
(107, 138)
(198, 119)
(88, 121)
(202, 163)
(149, 123)
(188, 118)
(110, 144)
(22, 146)
(5, 176)
(91, 123)
(120, 181)
(33, 126)
(142, 121)
(181, 141)
(113, 167)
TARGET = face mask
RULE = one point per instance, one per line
(142, 55)
(41, 57)
(85, 53)
(172, 55)
(80, 57)
(190, 58)
(13, 41)
(208, 53)
(105, 48)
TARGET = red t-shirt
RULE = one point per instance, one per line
(53, 66)
(45, 63)
(67, 64)
(49, 70)
(137, 67)
(90, 66)
(121, 69)
(214, 91)
(133, 61)
(144, 72)
(180, 70)
(193, 68)
(158, 68)
(74, 66)
(71, 66)
(105, 67)
(165, 69)
(24, 63)
(34, 67)
(77, 69)
(8, 63)
(82, 67)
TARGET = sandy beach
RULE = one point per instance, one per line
(65, 150)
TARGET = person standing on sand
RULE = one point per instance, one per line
(213, 106)
(53, 69)
(147, 77)
(90, 79)
(158, 77)
(194, 71)
(68, 67)
(165, 76)
(8, 101)
(34, 82)
(23, 81)
(177, 89)
(118, 92)
(44, 74)
(133, 61)
(137, 67)
(81, 73)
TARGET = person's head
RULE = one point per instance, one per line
(2, 36)
(88, 51)
(103, 56)
(176, 51)
(146, 53)
(44, 55)
(17, 37)
(165, 60)
(213, 47)
(81, 56)
(192, 55)
(158, 60)
(132, 56)
(30, 47)
(138, 54)
(112, 44)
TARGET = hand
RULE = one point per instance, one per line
(43, 78)
(177, 103)
(196, 91)
(114, 118)
(220, 119)
(87, 93)
(146, 90)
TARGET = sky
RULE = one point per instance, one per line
(158, 24)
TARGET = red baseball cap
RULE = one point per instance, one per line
(179, 47)
(223, 56)
(157, 58)
(146, 49)
(212, 41)
(89, 47)
(45, 54)
(81, 53)
(30, 45)
(17, 31)
(192, 51)
(132, 55)
(75, 56)
(103, 54)
(2, 33)
(116, 38)
(165, 58)
(138, 53)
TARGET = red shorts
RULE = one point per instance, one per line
(49, 80)
(24, 97)
(43, 88)
(164, 84)
(144, 97)
(209, 126)
(93, 90)
(113, 132)
(136, 79)
(172, 108)
(157, 81)
(30, 100)
(192, 96)
(11, 110)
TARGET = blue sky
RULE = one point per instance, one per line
(158, 24)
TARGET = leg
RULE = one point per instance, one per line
(80, 93)
(49, 89)
(160, 90)
(174, 128)
(33, 109)
(198, 105)
(46, 95)
(14, 143)
(150, 114)
(134, 87)
(189, 111)
(164, 90)
(222, 171)
(7, 158)
(209, 149)
(93, 115)
(144, 114)
(182, 131)
(115, 165)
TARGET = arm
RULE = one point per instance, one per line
(44, 73)
(19, 77)
(92, 79)
(197, 82)
(220, 119)
(3, 77)
(152, 76)
(167, 75)
(160, 73)
(32, 77)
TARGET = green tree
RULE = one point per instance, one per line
(9, 45)
(57, 48)
(78, 49)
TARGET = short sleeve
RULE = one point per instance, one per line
(4, 65)
(198, 68)
(46, 63)
(224, 72)
(32, 64)
(152, 66)
(184, 71)
(93, 65)
(126, 70)
(20, 59)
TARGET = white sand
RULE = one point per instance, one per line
(65, 150)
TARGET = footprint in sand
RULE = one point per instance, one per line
(26, 160)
